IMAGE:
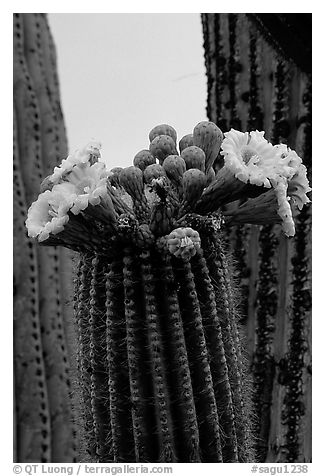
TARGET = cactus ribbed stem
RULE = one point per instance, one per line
(229, 289)
(27, 117)
(81, 309)
(206, 408)
(145, 444)
(182, 399)
(33, 421)
(97, 357)
(298, 355)
(167, 451)
(218, 269)
(118, 372)
(34, 60)
(218, 362)
(38, 148)
(93, 389)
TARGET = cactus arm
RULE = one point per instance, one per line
(32, 417)
(49, 287)
(27, 117)
(34, 61)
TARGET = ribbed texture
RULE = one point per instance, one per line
(173, 358)
(263, 91)
(45, 427)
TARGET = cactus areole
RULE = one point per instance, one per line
(161, 361)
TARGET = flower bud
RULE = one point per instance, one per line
(162, 146)
(194, 157)
(114, 176)
(208, 137)
(131, 179)
(186, 141)
(153, 171)
(143, 158)
(175, 167)
(163, 129)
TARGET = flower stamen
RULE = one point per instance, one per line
(248, 153)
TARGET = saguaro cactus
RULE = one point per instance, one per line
(257, 80)
(42, 277)
(161, 361)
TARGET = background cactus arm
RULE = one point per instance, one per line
(33, 420)
(34, 141)
(255, 85)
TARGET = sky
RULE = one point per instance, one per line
(121, 74)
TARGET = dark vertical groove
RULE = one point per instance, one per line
(207, 59)
(219, 65)
(145, 441)
(263, 359)
(255, 120)
(177, 361)
(280, 125)
(234, 68)
(119, 389)
(206, 407)
(218, 361)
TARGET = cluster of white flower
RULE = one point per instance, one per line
(253, 160)
(80, 180)
(270, 178)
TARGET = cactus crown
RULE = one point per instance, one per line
(85, 206)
